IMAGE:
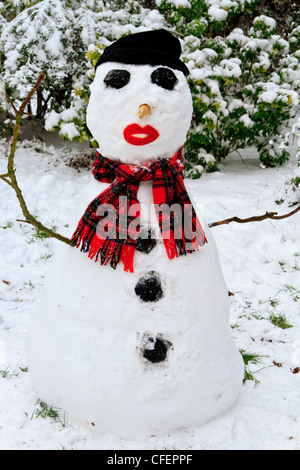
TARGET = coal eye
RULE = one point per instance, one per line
(164, 77)
(117, 78)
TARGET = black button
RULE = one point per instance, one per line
(145, 243)
(156, 349)
(149, 288)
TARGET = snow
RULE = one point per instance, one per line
(261, 267)
(231, 67)
(68, 114)
(245, 119)
(3, 101)
(182, 3)
(69, 129)
(268, 96)
(269, 22)
(176, 3)
(210, 116)
(216, 13)
(53, 44)
(273, 92)
(52, 120)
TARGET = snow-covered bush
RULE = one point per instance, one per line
(114, 19)
(244, 69)
(48, 36)
(9, 9)
(244, 90)
(53, 36)
(293, 135)
(245, 80)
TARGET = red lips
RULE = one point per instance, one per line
(135, 134)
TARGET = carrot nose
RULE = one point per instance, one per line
(144, 110)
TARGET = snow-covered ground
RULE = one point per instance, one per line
(261, 264)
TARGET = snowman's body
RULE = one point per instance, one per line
(93, 340)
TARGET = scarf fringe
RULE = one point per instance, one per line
(178, 247)
(106, 251)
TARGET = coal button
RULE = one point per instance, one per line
(157, 351)
(149, 288)
(145, 243)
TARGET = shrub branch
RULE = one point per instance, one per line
(10, 177)
(256, 218)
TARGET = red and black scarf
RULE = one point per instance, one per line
(169, 191)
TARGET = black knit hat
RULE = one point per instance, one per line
(147, 48)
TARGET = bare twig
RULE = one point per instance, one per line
(10, 177)
(262, 7)
(13, 106)
(10, 101)
(256, 218)
(23, 221)
(278, 217)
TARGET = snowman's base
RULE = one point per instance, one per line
(131, 386)
(131, 367)
(141, 421)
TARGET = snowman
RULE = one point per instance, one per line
(132, 334)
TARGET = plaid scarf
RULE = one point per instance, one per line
(169, 192)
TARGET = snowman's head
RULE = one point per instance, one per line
(140, 106)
